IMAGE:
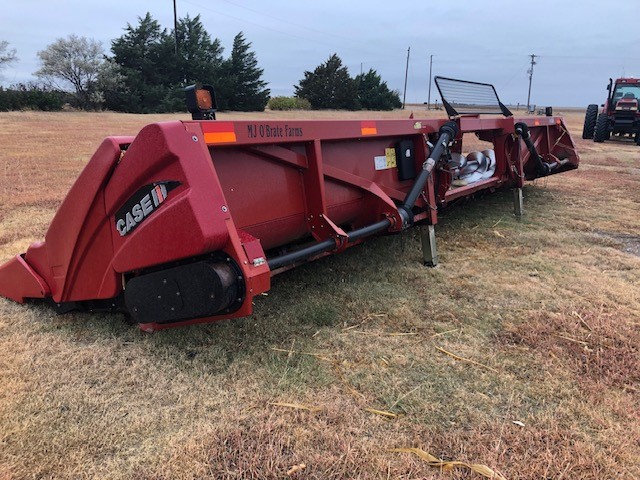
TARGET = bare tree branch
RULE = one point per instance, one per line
(72, 62)
(7, 56)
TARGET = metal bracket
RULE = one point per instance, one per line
(429, 252)
(518, 204)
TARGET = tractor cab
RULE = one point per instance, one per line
(625, 96)
(619, 116)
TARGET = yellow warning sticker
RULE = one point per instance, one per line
(388, 160)
(390, 153)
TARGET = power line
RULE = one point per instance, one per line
(295, 24)
(266, 27)
(516, 72)
(592, 57)
(352, 45)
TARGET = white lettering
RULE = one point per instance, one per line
(147, 206)
(122, 227)
(142, 209)
(137, 213)
(131, 223)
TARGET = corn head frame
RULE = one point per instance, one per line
(190, 220)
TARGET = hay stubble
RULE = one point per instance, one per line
(518, 353)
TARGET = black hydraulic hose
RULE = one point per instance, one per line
(542, 168)
(448, 132)
(369, 230)
(327, 245)
(293, 257)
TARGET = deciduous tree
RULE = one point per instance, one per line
(72, 62)
(7, 55)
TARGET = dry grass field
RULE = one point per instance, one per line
(519, 352)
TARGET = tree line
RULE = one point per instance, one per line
(148, 67)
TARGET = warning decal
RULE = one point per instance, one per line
(388, 160)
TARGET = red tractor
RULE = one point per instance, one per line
(619, 114)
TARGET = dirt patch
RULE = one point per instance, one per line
(625, 242)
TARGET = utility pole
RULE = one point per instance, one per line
(530, 72)
(175, 26)
(406, 73)
(429, 97)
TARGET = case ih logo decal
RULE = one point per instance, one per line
(142, 204)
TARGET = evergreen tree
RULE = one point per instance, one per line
(374, 94)
(200, 58)
(145, 75)
(199, 61)
(329, 86)
(147, 64)
(239, 85)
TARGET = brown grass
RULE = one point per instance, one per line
(519, 352)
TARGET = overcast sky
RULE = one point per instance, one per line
(580, 43)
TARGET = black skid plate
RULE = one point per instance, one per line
(200, 289)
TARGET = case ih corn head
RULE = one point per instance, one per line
(189, 220)
(619, 115)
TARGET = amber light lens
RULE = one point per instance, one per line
(204, 100)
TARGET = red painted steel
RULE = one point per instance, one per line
(622, 111)
(181, 190)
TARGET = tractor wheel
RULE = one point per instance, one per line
(601, 132)
(590, 121)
